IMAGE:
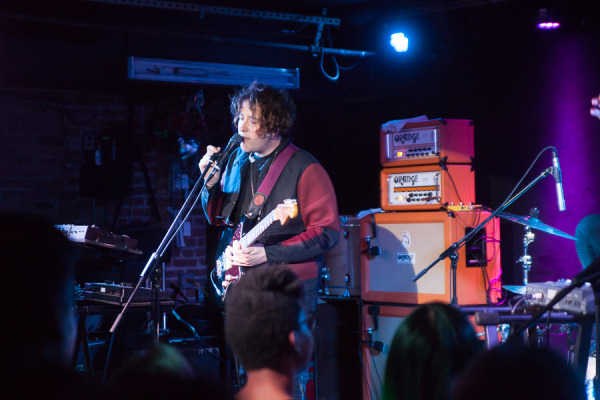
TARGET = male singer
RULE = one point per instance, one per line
(263, 116)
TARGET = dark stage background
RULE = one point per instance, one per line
(525, 89)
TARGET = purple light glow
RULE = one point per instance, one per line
(566, 123)
(548, 25)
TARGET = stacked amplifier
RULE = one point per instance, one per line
(428, 197)
(428, 202)
(427, 164)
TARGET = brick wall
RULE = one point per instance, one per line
(50, 143)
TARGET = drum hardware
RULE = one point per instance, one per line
(525, 259)
(344, 223)
(530, 221)
(347, 279)
(504, 330)
(515, 289)
(340, 273)
(535, 223)
(324, 281)
(325, 277)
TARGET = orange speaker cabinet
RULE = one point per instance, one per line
(379, 324)
(426, 187)
(408, 242)
(427, 143)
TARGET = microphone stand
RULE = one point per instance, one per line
(452, 251)
(151, 265)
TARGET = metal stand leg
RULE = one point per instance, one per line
(82, 341)
(454, 265)
(596, 287)
(525, 259)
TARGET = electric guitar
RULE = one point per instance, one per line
(225, 273)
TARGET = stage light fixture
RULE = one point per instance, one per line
(399, 42)
(546, 20)
(210, 73)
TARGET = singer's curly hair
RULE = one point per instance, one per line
(278, 110)
(260, 311)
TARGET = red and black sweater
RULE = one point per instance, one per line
(302, 241)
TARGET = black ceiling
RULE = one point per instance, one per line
(85, 44)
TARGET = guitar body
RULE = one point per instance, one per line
(224, 268)
(225, 274)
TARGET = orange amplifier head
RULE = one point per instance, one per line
(408, 242)
(427, 142)
(426, 187)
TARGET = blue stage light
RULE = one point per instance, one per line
(399, 42)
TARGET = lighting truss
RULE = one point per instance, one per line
(319, 21)
(228, 11)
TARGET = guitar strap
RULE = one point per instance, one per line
(268, 182)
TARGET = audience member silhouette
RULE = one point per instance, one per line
(162, 372)
(37, 264)
(268, 331)
(430, 348)
(587, 244)
(515, 371)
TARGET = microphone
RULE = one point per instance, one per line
(558, 179)
(234, 142)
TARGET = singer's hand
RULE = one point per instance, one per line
(248, 257)
(204, 161)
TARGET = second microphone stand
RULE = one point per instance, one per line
(452, 251)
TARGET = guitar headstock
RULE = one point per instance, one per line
(286, 210)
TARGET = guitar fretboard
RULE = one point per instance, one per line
(255, 232)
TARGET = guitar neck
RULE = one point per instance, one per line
(250, 237)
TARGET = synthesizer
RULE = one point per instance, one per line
(580, 300)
